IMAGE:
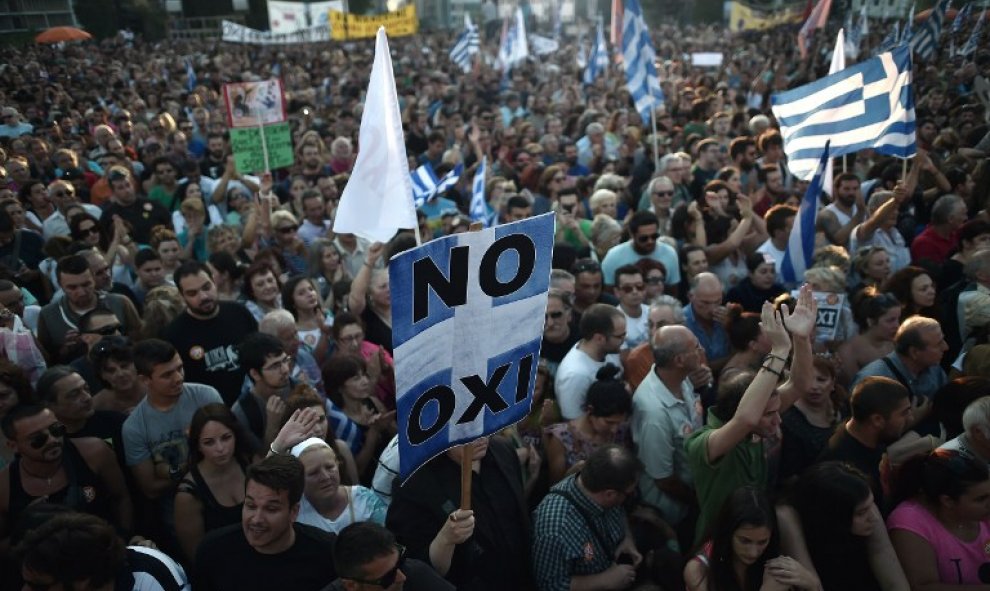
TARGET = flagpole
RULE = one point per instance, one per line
(656, 146)
(264, 144)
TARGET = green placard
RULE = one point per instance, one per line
(248, 155)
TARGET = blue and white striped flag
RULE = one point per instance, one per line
(479, 209)
(426, 186)
(925, 41)
(891, 40)
(598, 58)
(907, 32)
(190, 75)
(961, 17)
(639, 61)
(466, 45)
(868, 105)
(514, 47)
(974, 38)
(801, 242)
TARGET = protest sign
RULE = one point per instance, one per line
(467, 323)
(250, 104)
(232, 32)
(344, 25)
(249, 155)
(743, 17)
(709, 59)
(829, 314)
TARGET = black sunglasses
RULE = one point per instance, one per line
(287, 229)
(388, 578)
(555, 315)
(55, 431)
(663, 193)
(106, 331)
(648, 237)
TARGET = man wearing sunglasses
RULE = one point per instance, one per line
(367, 557)
(267, 550)
(644, 229)
(81, 474)
(63, 194)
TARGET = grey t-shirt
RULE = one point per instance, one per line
(161, 436)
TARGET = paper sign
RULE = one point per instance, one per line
(344, 25)
(249, 157)
(252, 103)
(829, 314)
(706, 59)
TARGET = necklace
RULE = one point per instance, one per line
(47, 479)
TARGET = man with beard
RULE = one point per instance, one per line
(207, 332)
(269, 367)
(742, 150)
(603, 330)
(268, 545)
(838, 219)
(313, 164)
(644, 230)
(141, 213)
(771, 191)
(705, 168)
(215, 159)
(81, 474)
(881, 412)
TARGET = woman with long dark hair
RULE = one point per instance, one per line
(831, 523)
(743, 552)
(211, 494)
(914, 289)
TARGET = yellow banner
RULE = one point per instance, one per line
(345, 26)
(746, 18)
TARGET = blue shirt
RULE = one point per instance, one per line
(716, 343)
(624, 254)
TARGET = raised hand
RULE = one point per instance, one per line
(801, 321)
(773, 328)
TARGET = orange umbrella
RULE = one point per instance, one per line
(60, 34)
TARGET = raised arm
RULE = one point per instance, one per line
(754, 400)
(801, 325)
(356, 299)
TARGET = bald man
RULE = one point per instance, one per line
(705, 316)
(665, 411)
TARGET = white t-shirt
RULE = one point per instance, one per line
(637, 329)
(575, 374)
(778, 255)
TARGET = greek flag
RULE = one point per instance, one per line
(907, 33)
(961, 17)
(466, 45)
(974, 38)
(801, 243)
(891, 40)
(467, 323)
(514, 47)
(868, 105)
(190, 75)
(639, 61)
(598, 59)
(479, 210)
(426, 186)
(925, 41)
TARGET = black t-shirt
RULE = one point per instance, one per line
(554, 352)
(225, 561)
(375, 329)
(209, 347)
(142, 215)
(843, 447)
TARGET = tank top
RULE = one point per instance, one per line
(215, 515)
(84, 492)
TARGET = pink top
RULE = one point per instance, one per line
(959, 562)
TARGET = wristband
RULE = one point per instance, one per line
(779, 374)
(772, 356)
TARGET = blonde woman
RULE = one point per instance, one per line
(161, 306)
(285, 240)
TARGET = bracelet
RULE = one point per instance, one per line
(772, 356)
(779, 374)
(274, 451)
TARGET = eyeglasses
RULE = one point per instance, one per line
(585, 266)
(554, 315)
(648, 237)
(631, 287)
(55, 431)
(388, 578)
(116, 175)
(287, 229)
(283, 362)
(654, 279)
(106, 331)
(664, 193)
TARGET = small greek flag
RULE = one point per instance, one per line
(190, 75)
(639, 61)
(466, 45)
(868, 105)
(801, 243)
(974, 38)
(426, 186)
(961, 17)
(925, 41)
(907, 32)
(598, 59)
(479, 210)
(514, 47)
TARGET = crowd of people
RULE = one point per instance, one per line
(197, 385)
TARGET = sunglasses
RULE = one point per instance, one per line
(631, 287)
(64, 193)
(555, 315)
(55, 431)
(89, 230)
(388, 578)
(107, 331)
(657, 280)
(287, 229)
(664, 193)
(648, 237)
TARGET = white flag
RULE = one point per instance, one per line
(377, 200)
